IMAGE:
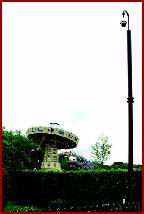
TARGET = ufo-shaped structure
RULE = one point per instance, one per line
(53, 138)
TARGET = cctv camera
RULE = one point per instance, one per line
(123, 23)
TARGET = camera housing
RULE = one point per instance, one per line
(123, 23)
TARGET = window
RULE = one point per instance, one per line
(55, 151)
(55, 158)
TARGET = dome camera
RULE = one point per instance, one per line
(123, 23)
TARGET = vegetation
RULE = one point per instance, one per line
(63, 206)
(80, 186)
(13, 207)
(16, 150)
(101, 150)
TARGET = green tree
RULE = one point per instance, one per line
(101, 150)
(16, 150)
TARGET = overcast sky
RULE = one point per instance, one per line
(67, 63)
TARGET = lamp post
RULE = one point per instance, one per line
(130, 98)
(130, 101)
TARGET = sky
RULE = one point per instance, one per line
(66, 62)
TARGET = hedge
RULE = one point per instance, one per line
(82, 187)
(5, 187)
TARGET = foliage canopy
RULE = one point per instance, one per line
(16, 150)
(101, 150)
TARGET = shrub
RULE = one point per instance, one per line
(77, 187)
(5, 187)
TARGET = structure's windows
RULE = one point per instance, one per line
(55, 151)
(55, 158)
(49, 149)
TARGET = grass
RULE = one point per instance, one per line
(60, 205)
(13, 207)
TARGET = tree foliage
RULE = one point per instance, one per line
(101, 150)
(16, 150)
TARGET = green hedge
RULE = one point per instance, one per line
(81, 186)
(5, 187)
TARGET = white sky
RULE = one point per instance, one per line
(67, 63)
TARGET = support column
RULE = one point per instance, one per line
(51, 159)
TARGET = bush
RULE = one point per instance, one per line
(76, 187)
(5, 187)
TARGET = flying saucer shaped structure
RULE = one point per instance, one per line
(54, 138)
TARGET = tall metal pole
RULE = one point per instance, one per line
(130, 101)
(130, 98)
